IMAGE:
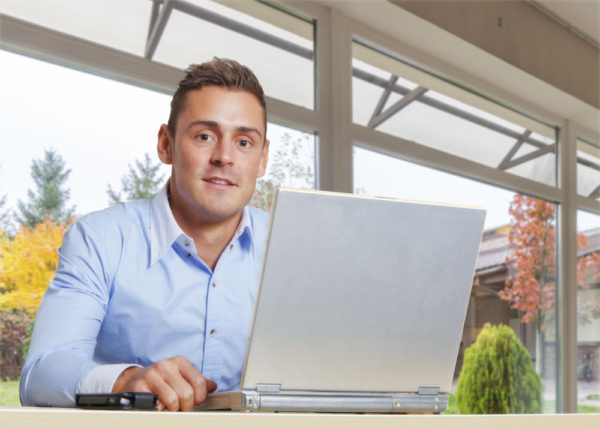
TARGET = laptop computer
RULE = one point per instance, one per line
(360, 305)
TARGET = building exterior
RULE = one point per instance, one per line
(486, 306)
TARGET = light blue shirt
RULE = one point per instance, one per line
(129, 288)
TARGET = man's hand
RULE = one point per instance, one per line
(178, 384)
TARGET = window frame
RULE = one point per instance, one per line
(331, 121)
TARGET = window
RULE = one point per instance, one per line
(396, 98)
(507, 278)
(588, 168)
(100, 127)
(588, 312)
(275, 42)
(291, 164)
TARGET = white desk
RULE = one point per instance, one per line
(50, 418)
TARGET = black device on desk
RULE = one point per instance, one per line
(118, 401)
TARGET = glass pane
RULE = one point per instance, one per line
(588, 312)
(510, 271)
(276, 44)
(282, 59)
(291, 164)
(119, 24)
(401, 100)
(98, 127)
(588, 168)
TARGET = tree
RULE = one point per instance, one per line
(13, 327)
(27, 265)
(497, 376)
(50, 198)
(5, 216)
(532, 287)
(286, 168)
(141, 182)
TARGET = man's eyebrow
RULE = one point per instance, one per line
(216, 125)
(244, 129)
(210, 124)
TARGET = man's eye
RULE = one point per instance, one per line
(204, 137)
(244, 143)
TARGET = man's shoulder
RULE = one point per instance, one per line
(120, 217)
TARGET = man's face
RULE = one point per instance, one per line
(218, 151)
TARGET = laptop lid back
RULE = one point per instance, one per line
(361, 294)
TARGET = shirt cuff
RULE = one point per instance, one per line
(102, 378)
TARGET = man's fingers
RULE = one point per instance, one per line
(167, 396)
(195, 378)
(185, 392)
(211, 386)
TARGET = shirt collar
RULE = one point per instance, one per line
(164, 230)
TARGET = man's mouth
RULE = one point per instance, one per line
(219, 181)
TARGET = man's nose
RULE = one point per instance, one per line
(222, 153)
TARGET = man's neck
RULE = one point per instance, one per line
(210, 236)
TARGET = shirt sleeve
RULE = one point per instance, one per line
(102, 378)
(68, 321)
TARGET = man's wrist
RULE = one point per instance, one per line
(120, 384)
(102, 378)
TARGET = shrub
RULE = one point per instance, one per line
(497, 376)
(13, 326)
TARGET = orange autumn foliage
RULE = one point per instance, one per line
(532, 287)
(27, 265)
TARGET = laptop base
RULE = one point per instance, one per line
(327, 402)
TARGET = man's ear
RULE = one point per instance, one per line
(165, 145)
(264, 158)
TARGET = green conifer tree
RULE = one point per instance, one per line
(141, 182)
(5, 217)
(497, 376)
(50, 198)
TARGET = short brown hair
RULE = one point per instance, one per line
(217, 72)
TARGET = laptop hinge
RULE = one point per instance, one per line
(429, 391)
(268, 387)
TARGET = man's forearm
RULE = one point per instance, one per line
(54, 379)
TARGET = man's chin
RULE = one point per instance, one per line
(215, 213)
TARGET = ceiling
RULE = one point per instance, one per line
(584, 15)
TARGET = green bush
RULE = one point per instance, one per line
(27, 340)
(497, 376)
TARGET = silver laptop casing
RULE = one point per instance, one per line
(360, 305)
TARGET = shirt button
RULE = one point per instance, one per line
(187, 243)
(214, 284)
(189, 254)
(231, 247)
(213, 333)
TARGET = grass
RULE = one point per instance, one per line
(451, 405)
(549, 406)
(9, 393)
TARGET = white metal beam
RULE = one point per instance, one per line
(514, 149)
(383, 99)
(595, 194)
(587, 204)
(157, 29)
(39, 42)
(551, 148)
(340, 81)
(566, 249)
(397, 106)
(429, 157)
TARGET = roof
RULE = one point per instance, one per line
(496, 248)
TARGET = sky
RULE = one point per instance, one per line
(100, 126)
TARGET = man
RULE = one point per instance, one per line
(157, 295)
